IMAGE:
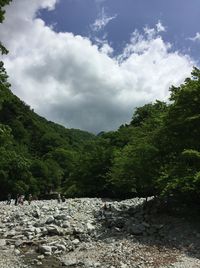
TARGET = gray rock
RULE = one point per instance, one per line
(60, 217)
(75, 241)
(36, 213)
(18, 243)
(78, 230)
(17, 251)
(90, 227)
(37, 230)
(69, 262)
(2, 242)
(40, 257)
(47, 250)
(50, 220)
(66, 224)
(54, 230)
(61, 247)
(136, 229)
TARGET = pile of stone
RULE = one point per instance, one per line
(133, 216)
(84, 232)
(42, 222)
(57, 228)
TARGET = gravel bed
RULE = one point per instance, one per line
(89, 233)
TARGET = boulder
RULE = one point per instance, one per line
(50, 220)
(90, 227)
(46, 250)
(54, 230)
(75, 241)
(2, 242)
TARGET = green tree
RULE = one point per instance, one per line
(179, 141)
(88, 177)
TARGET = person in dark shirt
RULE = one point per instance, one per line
(16, 200)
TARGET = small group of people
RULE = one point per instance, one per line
(60, 198)
(19, 199)
(105, 209)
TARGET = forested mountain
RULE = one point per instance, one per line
(36, 155)
(158, 153)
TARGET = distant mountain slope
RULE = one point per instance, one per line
(37, 155)
(34, 131)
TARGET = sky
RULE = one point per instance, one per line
(88, 64)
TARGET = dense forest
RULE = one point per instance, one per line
(157, 153)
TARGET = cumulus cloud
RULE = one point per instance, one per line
(102, 20)
(195, 38)
(72, 81)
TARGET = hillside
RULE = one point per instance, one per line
(34, 151)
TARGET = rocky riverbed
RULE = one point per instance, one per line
(80, 233)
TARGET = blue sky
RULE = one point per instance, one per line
(88, 64)
(181, 19)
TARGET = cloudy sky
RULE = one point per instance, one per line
(88, 63)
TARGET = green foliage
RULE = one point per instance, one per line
(179, 140)
(88, 177)
(127, 174)
(49, 148)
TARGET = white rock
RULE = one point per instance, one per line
(75, 241)
(17, 251)
(90, 227)
(40, 257)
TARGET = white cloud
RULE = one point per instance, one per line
(106, 49)
(152, 32)
(69, 80)
(160, 27)
(101, 22)
(195, 38)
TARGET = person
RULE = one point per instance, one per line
(59, 198)
(63, 198)
(9, 199)
(16, 200)
(105, 207)
(30, 198)
(103, 210)
(21, 200)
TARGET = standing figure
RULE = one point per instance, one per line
(9, 199)
(63, 198)
(30, 198)
(59, 198)
(21, 200)
(16, 200)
